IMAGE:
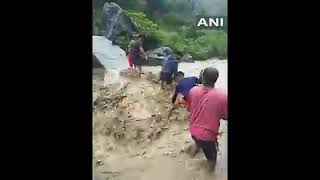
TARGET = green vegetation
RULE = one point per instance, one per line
(163, 25)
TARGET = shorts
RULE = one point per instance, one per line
(209, 148)
(137, 61)
(166, 77)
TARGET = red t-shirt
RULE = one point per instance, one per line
(207, 106)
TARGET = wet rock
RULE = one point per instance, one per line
(187, 58)
(115, 21)
(156, 56)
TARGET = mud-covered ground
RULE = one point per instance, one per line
(134, 139)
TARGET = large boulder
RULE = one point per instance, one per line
(156, 56)
(187, 58)
(114, 21)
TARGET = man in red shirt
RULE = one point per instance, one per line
(207, 106)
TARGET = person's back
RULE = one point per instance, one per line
(170, 65)
(169, 69)
(185, 84)
(207, 106)
(135, 48)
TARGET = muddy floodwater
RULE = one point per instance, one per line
(133, 137)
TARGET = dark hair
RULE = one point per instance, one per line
(180, 73)
(168, 51)
(210, 76)
(200, 80)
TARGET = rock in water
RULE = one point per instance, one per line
(156, 56)
(115, 21)
(187, 58)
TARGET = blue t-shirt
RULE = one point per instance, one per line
(185, 85)
(170, 65)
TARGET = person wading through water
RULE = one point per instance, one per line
(137, 54)
(130, 61)
(181, 91)
(207, 106)
(169, 69)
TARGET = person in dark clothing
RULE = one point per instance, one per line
(169, 68)
(137, 54)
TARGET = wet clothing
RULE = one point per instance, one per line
(207, 106)
(135, 53)
(185, 84)
(135, 48)
(137, 61)
(166, 77)
(209, 148)
(170, 66)
(183, 87)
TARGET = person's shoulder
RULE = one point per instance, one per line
(196, 89)
(221, 93)
(194, 78)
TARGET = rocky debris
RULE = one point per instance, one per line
(153, 77)
(114, 21)
(187, 58)
(156, 56)
(109, 99)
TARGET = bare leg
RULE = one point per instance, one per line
(162, 85)
(139, 70)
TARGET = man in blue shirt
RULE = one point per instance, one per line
(169, 68)
(183, 88)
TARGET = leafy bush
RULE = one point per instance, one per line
(212, 44)
(201, 44)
